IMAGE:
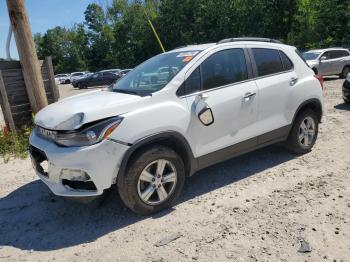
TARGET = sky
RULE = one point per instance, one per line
(43, 15)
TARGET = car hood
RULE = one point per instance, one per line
(73, 112)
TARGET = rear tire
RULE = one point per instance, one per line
(142, 186)
(345, 72)
(304, 132)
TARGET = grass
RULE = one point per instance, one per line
(14, 145)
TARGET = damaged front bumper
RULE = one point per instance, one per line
(76, 171)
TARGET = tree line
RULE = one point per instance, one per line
(118, 35)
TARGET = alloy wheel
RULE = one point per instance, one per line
(157, 182)
(307, 132)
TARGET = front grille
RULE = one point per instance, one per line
(39, 159)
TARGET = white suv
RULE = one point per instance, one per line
(155, 127)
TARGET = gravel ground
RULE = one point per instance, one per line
(258, 207)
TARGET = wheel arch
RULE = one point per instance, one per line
(342, 75)
(314, 104)
(171, 139)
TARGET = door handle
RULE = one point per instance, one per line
(293, 81)
(248, 96)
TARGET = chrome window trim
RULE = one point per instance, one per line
(233, 84)
(245, 49)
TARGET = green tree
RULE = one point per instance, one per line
(118, 35)
(332, 22)
(134, 40)
(62, 45)
(99, 54)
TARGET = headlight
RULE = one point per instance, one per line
(86, 136)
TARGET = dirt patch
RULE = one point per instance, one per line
(268, 205)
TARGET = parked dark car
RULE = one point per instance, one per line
(96, 79)
(346, 89)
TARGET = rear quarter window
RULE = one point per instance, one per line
(287, 63)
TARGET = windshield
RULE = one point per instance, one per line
(154, 74)
(311, 55)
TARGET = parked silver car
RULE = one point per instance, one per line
(331, 61)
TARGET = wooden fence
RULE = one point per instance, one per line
(13, 94)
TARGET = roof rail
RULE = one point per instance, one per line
(255, 39)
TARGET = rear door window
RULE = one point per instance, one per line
(335, 54)
(339, 54)
(344, 53)
(268, 61)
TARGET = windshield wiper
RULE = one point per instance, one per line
(130, 92)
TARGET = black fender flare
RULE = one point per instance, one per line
(190, 161)
(308, 102)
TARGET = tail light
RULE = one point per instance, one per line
(320, 79)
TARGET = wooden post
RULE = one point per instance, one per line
(27, 54)
(54, 88)
(5, 105)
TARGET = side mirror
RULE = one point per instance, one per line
(206, 116)
(323, 58)
(202, 110)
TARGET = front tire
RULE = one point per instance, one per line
(304, 132)
(153, 180)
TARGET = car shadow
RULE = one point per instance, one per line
(32, 218)
(343, 106)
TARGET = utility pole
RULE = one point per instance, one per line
(155, 32)
(27, 54)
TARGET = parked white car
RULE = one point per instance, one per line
(62, 78)
(148, 134)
